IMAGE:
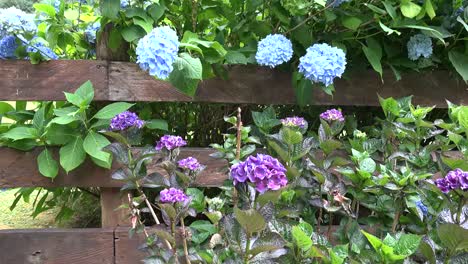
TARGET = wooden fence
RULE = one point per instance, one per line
(123, 81)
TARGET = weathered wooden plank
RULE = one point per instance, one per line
(111, 199)
(19, 169)
(20, 80)
(124, 81)
(57, 246)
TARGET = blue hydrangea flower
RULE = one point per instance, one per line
(90, 32)
(422, 207)
(157, 51)
(124, 3)
(274, 50)
(44, 50)
(322, 63)
(336, 3)
(57, 5)
(15, 21)
(8, 46)
(419, 45)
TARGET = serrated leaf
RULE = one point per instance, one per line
(72, 154)
(187, 73)
(47, 165)
(302, 240)
(453, 236)
(18, 133)
(93, 145)
(110, 8)
(251, 220)
(112, 110)
(157, 124)
(460, 63)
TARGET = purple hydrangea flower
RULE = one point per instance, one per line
(190, 163)
(332, 114)
(422, 207)
(170, 142)
(264, 171)
(443, 185)
(173, 195)
(464, 181)
(453, 178)
(125, 120)
(294, 121)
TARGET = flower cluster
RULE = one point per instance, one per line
(8, 46)
(456, 179)
(332, 115)
(157, 51)
(294, 121)
(422, 207)
(336, 3)
(170, 142)
(264, 171)
(273, 50)
(90, 32)
(125, 120)
(419, 45)
(16, 21)
(43, 50)
(190, 163)
(322, 63)
(173, 195)
(124, 3)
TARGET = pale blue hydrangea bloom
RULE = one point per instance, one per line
(43, 49)
(419, 45)
(336, 3)
(157, 51)
(322, 63)
(274, 50)
(15, 21)
(90, 32)
(57, 5)
(124, 3)
(8, 46)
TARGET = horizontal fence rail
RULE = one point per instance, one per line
(124, 81)
(19, 169)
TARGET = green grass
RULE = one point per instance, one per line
(21, 217)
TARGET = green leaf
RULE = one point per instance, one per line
(39, 119)
(202, 230)
(329, 145)
(5, 108)
(156, 11)
(429, 9)
(410, 9)
(86, 92)
(198, 199)
(93, 145)
(453, 237)
(110, 8)
(373, 54)
(71, 14)
(112, 110)
(72, 154)
(146, 25)
(460, 63)
(235, 57)
(290, 136)
(157, 124)
(428, 252)
(251, 220)
(303, 241)
(18, 133)
(45, 8)
(132, 33)
(64, 120)
(187, 73)
(390, 106)
(390, 9)
(75, 99)
(407, 244)
(463, 117)
(115, 39)
(368, 165)
(47, 165)
(373, 240)
(351, 22)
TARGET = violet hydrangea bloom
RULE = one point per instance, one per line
(274, 50)
(332, 115)
(443, 185)
(170, 142)
(157, 51)
(455, 179)
(125, 120)
(173, 195)
(294, 121)
(419, 45)
(322, 63)
(190, 163)
(264, 171)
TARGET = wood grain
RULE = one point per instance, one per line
(57, 246)
(19, 169)
(124, 81)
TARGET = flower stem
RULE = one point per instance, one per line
(184, 236)
(176, 258)
(396, 218)
(247, 249)
(460, 210)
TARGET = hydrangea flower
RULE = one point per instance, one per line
(456, 179)
(294, 121)
(44, 50)
(332, 115)
(16, 21)
(170, 142)
(422, 207)
(173, 195)
(8, 46)
(124, 3)
(273, 50)
(190, 163)
(322, 63)
(57, 5)
(336, 3)
(125, 120)
(419, 45)
(157, 51)
(90, 32)
(264, 171)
